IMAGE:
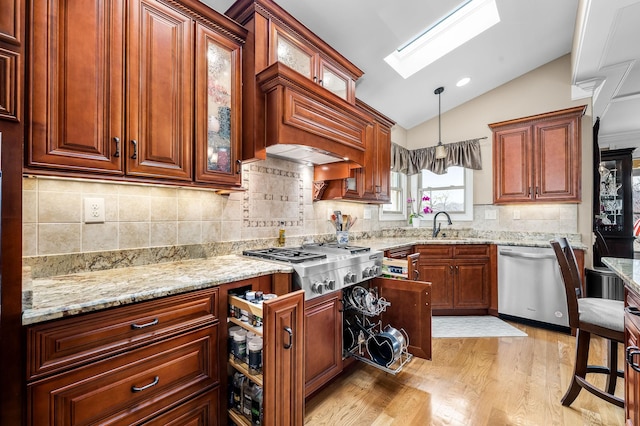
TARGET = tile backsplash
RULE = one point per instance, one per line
(145, 216)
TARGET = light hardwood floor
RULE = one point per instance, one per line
(482, 381)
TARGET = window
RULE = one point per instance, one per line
(451, 192)
(397, 209)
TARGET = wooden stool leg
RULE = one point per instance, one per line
(580, 368)
(613, 366)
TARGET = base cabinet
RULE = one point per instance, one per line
(322, 341)
(131, 365)
(632, 359)
(460, 277)
(281, 380)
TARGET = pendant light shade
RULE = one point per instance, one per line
(441, 151)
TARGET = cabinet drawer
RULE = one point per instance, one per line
(128, 388)
(399, 252)
(435, 251)
(74, 341)
(471, 250)
(202, 410)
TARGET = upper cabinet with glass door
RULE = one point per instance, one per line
(218, 86)
(289, 48)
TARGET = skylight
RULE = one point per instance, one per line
(472, 18)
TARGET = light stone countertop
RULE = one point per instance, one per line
(391, 243)
(66, 295)
(627, 269)
(72, 294)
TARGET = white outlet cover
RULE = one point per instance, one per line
(94, 210)
(366, 213)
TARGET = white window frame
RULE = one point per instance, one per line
(388, 216)
(467, 215)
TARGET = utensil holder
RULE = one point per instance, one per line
(343, 238)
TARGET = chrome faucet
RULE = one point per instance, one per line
(437, 230)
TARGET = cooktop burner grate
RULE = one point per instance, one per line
(285, 255)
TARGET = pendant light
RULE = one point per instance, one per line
(441, 151)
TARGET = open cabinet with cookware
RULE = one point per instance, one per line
(386, 322)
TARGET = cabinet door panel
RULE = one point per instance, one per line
(323, 340)
(558, 160)
(440, 274)
(218, 108)
(471, 284)
(283, 353)
(159, 83)
(292, 52)
(410, 310)
(77, 90)
(512, 156)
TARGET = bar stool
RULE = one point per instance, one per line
(601, 317)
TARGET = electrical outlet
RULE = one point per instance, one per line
(516, 214)
(93, 210)
(490, 214)
(366, 214)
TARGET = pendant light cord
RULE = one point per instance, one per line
(438, 92)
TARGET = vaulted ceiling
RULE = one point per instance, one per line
(531, 33)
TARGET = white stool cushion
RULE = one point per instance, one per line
(605, 313)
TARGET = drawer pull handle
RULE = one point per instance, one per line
(632, 310)
(140, 389)
(134, 156)
(290, 333)
(135, 326)
(631, 352)
(117, 141)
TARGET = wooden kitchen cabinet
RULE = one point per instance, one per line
(538, 158)
(323, 340)
(410, 310)
(632, 356)
(370, 183)
(282, 378)
(290, 48)
(112, 89)
(132, 364)
(460, 277)
(297, 90)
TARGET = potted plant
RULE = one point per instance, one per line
(416, 211)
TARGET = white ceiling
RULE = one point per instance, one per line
(531, 33)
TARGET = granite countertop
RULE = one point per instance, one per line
(627, 269)
(72, 294)
(391, 243)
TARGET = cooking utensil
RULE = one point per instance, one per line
(384, 348)
(338, 220)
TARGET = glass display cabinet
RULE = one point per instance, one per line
(614, 217)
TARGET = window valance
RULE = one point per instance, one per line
(464, 154)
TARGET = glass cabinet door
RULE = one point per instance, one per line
(294, 55)
(611, 216)
(217, 107)
(334, 81)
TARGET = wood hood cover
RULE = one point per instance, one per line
(304, 116)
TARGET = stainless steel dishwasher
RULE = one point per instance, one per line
(530, 286)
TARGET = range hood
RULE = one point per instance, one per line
(303, 154)
(305, 122)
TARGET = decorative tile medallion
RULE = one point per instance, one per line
(277, 195)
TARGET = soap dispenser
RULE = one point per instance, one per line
(281, 236)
